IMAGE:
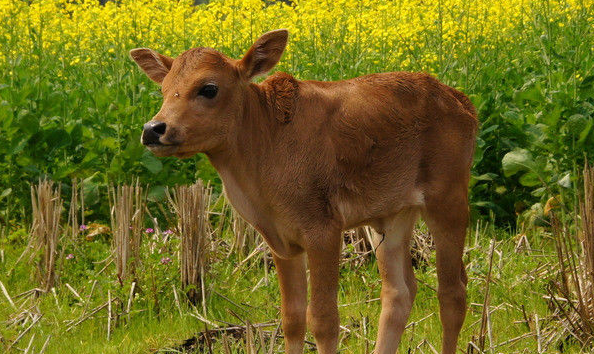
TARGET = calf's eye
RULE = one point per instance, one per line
(208, 91)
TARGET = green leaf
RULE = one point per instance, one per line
(489, 129)
(478, 155)
(539, 192)
(531, 91)
(485, 177)
(530, 179)
(110, 143)
(64, 171)
(565, 182)
(156, 193)
(18, 147)
(5, 193)
(587, 82)
(28, 122)
(57, 138)
(517, 160)
(115, 166)
(576, 124)
(151, 163)
(584, 134)
(90, 156)
(551, 117)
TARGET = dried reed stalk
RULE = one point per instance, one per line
(485, 318)
(360, 238)
(587, 242)
(422, 246)
(70, 237)
(76, 206)
(191, 205)
(47, 207)
(572, 290)
(127, 218)
(246, 237)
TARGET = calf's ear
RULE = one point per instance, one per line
(155, 65)
(264, 53)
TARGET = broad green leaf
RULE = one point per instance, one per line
(585, 132)
(151, 163)
(530, 179)
(478, 155)
(489, 129)
(539, 192)
(17, 148)
(5, 193)
(28, 122)
(64, 171)
(565, 182)
(115, 166)
(90, 156)
(531, 91)
(485, 177)
(110, 143)
(156, 193)
(576, 124)
(587, 82)
(57, 138)
(552, 117)
(517, 160)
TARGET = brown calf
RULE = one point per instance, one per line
(304, 160)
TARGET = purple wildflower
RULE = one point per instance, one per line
(167, 232)
(70, 256)
(149, 231)
(83, 227)
(165, 260)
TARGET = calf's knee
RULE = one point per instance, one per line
(323, 324)
(452, 294)
(294, 323)
(396, 305)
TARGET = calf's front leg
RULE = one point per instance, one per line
(293, 287)
(323, 252)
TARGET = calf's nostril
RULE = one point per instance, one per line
(160, 128)
(152, 131)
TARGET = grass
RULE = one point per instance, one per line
(249, 295)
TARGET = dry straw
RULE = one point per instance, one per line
(360, 239)
(127, 217)
(77, 205)
(572, 291)
(72, 231)
(47, 207)
(421, 245)
(246, 238)
(191, 205)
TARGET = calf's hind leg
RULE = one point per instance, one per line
(447, 219)
(391, 241)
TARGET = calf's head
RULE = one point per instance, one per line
(204, 94)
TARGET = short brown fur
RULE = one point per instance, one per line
(304, 160)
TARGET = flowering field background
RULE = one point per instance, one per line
(72, 105)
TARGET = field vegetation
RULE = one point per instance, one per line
(72, 105)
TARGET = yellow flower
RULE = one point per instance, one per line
(401, 31)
